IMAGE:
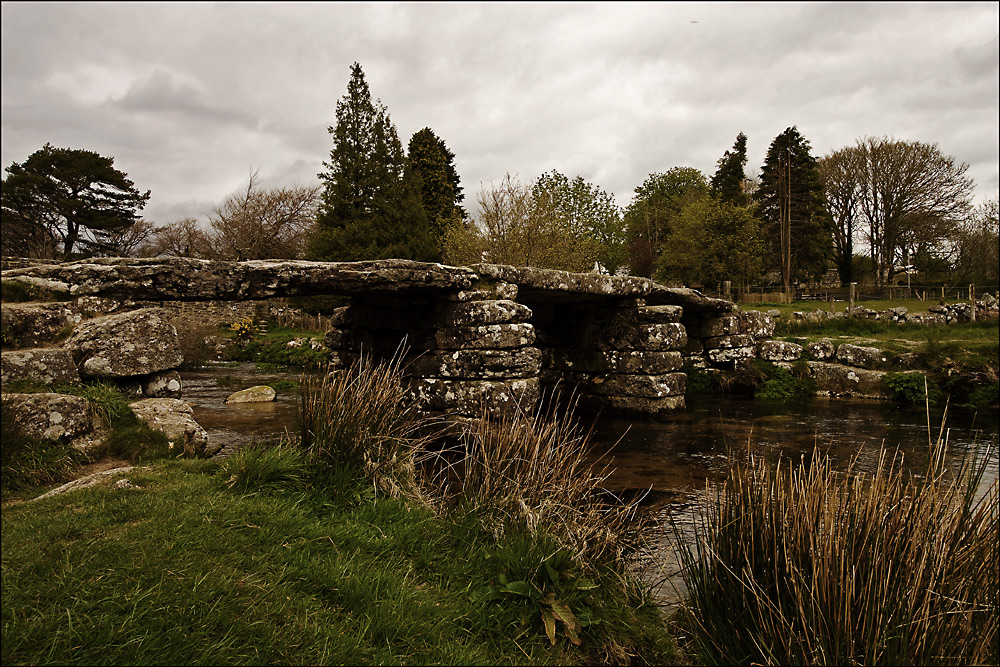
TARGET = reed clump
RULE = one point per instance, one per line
(363, 417)
(534, 472)
(800, 564)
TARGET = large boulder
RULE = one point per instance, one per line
(175, 419)
(844, 381)
(861, 357)
(138, 342)
(51, 416)
(42, 365)
(33, 324)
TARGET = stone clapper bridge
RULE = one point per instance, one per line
(486, 336)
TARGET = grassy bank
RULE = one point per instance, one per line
(182, 569)
(341, 548)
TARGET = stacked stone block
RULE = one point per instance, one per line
(726, 340)
(469, 353)
(623, 356)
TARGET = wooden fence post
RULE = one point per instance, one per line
(972, 300)
(850, 303)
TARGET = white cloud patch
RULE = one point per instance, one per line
(189, 97)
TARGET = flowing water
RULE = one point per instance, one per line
(668, 460)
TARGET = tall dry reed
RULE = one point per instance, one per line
(363, 416)
(534, 471)
(800, 564)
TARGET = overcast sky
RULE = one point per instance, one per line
(190, 97)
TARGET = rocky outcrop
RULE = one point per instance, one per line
(49, 366)
(51, 416)
(174, 419)
(33, 324)
(138, 342)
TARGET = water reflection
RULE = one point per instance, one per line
(680, 458)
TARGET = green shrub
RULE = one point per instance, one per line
(698, 381)
(911, 388)
(769, 381)
(983, 396)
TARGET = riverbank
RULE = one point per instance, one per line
(167, 565)
(337, 549)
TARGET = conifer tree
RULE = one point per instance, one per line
(728, 181)
(371, 205)
(440, 187)
(791, 199)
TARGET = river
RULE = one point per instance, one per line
(671, 459)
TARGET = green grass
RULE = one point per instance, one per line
(961, 360)
(29, 464)
(336, 549)
(270, 351)
(191, 569)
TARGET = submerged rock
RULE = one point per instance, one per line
(259, 394)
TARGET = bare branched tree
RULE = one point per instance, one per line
(263, 223)
(911, 197)
(184, 238)
(519, 225)
(127, 241)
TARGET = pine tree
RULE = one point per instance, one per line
(371, 203)
(70, 198)
(728, 181)
(440, 188)
(792, 207)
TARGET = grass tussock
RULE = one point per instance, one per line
(799, 564)
(362, 416)
(27, 462)
(532, 472)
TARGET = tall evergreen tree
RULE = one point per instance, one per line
(440, 186)
(792, 207)
(371, 205)
(728, 182)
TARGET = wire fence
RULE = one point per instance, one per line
(924, 293)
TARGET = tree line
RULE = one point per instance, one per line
(870, 210)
